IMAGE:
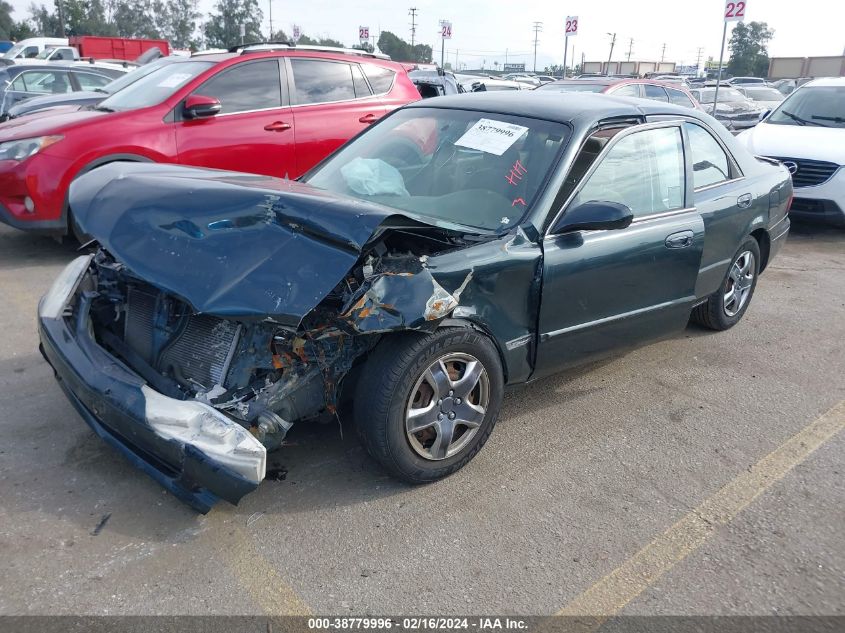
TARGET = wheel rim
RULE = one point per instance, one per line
(739, 282)
(447, 406)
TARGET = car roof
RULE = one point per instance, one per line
(578, 108)
(827, 81)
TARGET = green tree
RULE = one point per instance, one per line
(749, 53)
(223, 28)
(177, 23)
(46, 22)
(400, 50)
(136, 18)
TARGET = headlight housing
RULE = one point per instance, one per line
(53, 303)
(22, 149)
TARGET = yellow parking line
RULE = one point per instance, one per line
(629, 580)
(258, 577)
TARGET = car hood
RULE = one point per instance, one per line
(230, 244)
(53, 121)
(731, 107)
(796, 141)
(74, 98)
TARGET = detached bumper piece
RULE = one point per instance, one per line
(191, 449)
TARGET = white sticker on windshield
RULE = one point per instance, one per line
(493, 137)
(173, 80)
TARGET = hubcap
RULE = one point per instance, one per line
(738, 284)
(447, 406)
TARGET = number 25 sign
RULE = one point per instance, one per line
(571, 26)
(363, 33)
(734, 11)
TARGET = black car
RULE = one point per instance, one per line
(83, 97)
(20, 82)
(459, 245)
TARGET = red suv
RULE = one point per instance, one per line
(266, 110)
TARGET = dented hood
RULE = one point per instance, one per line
(229, 244)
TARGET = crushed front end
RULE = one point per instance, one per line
(197, 400)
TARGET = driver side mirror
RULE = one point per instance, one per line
(201, 107)
(763, 115)
(594, 216)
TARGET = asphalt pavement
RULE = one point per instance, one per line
(699, 475)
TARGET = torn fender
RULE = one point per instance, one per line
(230, 244)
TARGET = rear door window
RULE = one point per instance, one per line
(90, 81)
(657, 93)
(631, 90)
(710, 164)
(322, 81)
(246, 87)
(381, 79)
(679, 98)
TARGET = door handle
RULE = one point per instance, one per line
(744, 201)
(681, 239)
(277, 126)
(368, 118)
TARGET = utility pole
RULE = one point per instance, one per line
(413, 13)
(698, 60)
(538, 26)
(612, 43)
(270, 5)
(630, 47)
(663, 53)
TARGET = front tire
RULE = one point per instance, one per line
(425, 404)
(725, 307)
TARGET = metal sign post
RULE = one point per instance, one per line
(571, 30)
(734, 12)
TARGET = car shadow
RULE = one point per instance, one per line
(20, 248)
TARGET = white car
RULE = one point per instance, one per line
(806, 132)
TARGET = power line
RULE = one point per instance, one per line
(538, 27)
(413, 13)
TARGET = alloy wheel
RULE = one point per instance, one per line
(739, 282)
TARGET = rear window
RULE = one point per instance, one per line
(381, 79)
(679, 98)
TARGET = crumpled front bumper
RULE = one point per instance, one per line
(171, 440)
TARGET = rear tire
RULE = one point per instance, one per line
(725, 307)
(425, 404)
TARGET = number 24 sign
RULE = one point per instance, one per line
(571, 26)
(734, 11)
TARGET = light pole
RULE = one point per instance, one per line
(612, 42)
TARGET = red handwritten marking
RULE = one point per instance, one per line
(520, 201)
(517, 172)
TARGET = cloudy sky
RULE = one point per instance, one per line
(484, 29)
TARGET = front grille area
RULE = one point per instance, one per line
(805, 205)
(810, 172)
(197, 354)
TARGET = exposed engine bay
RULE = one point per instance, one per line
(263, 374)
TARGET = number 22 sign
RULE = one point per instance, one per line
(735, 11)
(571, 26)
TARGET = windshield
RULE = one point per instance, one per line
(591, 87)
(822, 106)
(155, 87)
(134, 75)
(764, 94)
(726, 95)
(473, 169)
(12, 52)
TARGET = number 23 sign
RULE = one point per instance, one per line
(735, 11)
(571, 26)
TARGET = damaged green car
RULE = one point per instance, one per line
(460, 245)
